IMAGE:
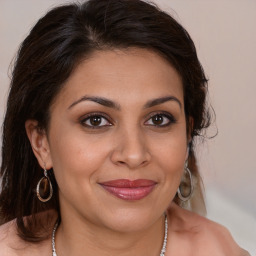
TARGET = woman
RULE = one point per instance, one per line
(106, 100)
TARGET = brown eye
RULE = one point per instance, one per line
(95, 121)
(161, 120)
(157, 119)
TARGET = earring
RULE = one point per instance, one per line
(182, 189)
(44, 188)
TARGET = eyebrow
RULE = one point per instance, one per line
(161, 100)
(111, 104)
(100, 100)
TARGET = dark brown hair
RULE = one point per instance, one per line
(46, 58)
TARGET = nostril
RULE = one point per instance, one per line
(121, 162)
(131, 153)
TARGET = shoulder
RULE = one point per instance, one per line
(12, 245)
(199, 235)
(4, 235)
(8, 238)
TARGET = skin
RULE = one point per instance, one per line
(127, 143)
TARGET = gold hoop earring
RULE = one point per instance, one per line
(183, 185)
(44, 189)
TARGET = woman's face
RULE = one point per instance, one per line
(117, 139)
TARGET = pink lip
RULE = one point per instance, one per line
(129, 189)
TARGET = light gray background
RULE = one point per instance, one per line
(224, 34)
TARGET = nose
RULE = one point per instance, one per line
(131, 150)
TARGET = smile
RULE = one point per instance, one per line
(130, 190)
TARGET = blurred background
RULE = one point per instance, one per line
(224, 34)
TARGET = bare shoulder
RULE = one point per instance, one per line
(197, 235)
(7, 234)
(11, 244)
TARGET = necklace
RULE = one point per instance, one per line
(162, 253)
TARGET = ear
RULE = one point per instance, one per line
(39, 143)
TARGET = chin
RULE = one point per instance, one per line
(129, 220)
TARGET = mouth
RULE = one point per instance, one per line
(130, 190)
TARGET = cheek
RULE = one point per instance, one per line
(75, 156)
(171, 149)
(170, 156)
(171, 161)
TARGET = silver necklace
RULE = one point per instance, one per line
(162, 253)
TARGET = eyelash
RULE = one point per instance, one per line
(170, 117)
(102, 116)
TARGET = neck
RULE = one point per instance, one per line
(80, 236)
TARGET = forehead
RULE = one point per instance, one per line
(123, 75)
